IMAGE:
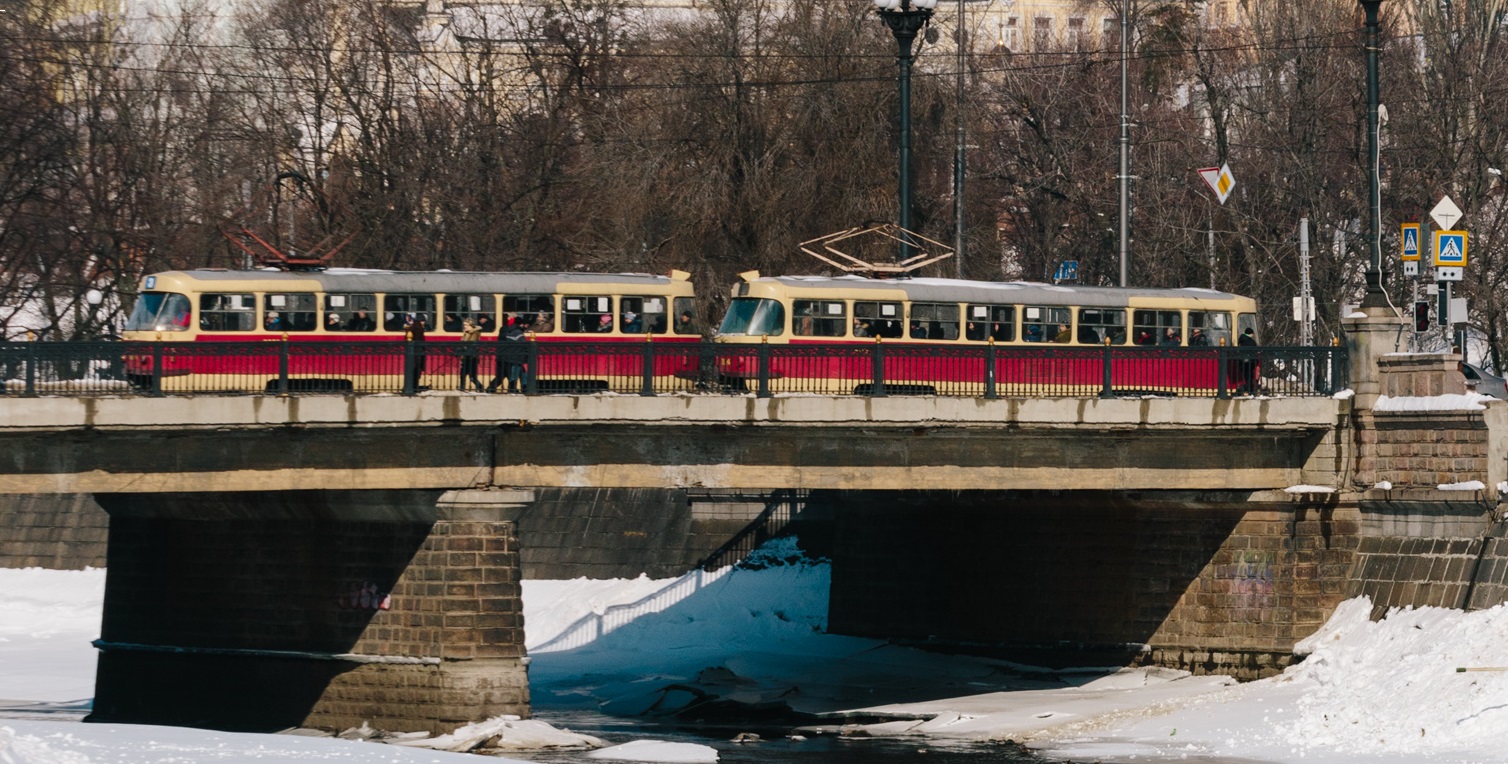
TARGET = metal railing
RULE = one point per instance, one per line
(656, 368)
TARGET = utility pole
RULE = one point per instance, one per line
(1125, 226)
(958, 151)
(1376, 297)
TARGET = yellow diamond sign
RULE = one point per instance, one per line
(1220, 180)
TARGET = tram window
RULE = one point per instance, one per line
(290, 312)
(1157, 327)
(1098, 324)
(934, 320)
(160, 311)
(1244, 322)
(1041, 323)
(996, 322)
(820, 318)
(878, 319)
(587, 314)
(397, 308)
(533, 312)
(351, 312)
(642, 315)
(685, 316)
(480, 308)
(753, 317)
(1210, 328)
(228, 312)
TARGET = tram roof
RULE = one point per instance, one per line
(960, 290)
(364, 280)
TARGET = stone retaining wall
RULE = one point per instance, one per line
(65, 532)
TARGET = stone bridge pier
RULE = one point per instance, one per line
(261, 611)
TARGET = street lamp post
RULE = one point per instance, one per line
(905, 18)
(1375, 296)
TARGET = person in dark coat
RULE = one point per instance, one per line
(414, 332)
(512, 356)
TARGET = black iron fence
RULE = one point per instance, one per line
(657, 368)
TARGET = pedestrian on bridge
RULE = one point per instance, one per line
(414, 332)
(471, 334)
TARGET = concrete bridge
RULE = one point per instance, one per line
(330, 560)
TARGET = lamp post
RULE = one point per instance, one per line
(1375, 297)
(905, 18)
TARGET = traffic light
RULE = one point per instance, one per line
(1421, 316)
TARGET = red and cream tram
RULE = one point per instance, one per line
(365, 307)
(1030, 324)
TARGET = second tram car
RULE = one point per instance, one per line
(1028, 320)
(363, 307)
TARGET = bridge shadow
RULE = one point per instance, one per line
(239, 611)
(748, 644)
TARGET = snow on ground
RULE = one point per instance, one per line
(1388, 691)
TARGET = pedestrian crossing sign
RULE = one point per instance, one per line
(1450, 249)
(1410, 238)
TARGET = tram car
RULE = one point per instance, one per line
(338, 319)
(1045, 336)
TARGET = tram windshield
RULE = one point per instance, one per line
(754, 317)
(160, 311)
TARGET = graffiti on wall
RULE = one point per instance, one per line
(364, 596)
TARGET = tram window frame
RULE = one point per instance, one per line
(885, 318)
(1214, 335)
(819, 318)
(296, 311)
(480, 307)
(215, 308)
(583, 313)
(396, 307)
(991, 322)
(1099, 320)
(1246, 321)
(1045, 320)
(649, 311)
(344, 305)
(533, 312)
(686, 306)
(938, 319)
(1154, 323)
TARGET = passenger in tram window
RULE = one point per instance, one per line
(860, 328)
(453, 324)
(1088, 336)
(332, 322)
(605, 323)
(543, 324)
(1170, 337)
(631, 323)
(973, 331)
(361, 322)
(393, 322)
(274, 322)
(1063, 336)
(685, 323)
(918, 332)
(1198, 339)
(1144, 337)
(484, 321)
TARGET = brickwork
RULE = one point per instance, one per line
(1422, 449)
(64, 532)
(1203, 586)
(624, 533)
(249, 599)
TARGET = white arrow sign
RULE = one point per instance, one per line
(1445, 214)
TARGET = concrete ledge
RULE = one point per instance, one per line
(454, 408)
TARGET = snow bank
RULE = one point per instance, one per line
(506, 733)
(658, 751)
(48, 620)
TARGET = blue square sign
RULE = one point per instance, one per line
(1450, 249)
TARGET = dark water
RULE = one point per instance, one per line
(774, 745)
